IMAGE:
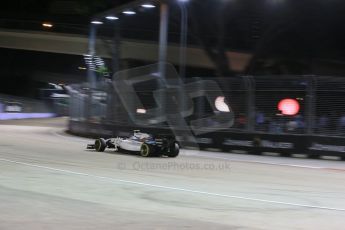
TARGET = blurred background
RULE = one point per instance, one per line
(259, 52)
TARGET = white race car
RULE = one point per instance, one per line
(144, 144)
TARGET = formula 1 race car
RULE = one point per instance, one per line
(144, 144)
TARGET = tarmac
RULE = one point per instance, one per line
(48, 180)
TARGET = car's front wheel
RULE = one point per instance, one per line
(100, 145)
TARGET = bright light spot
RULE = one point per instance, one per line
(221, 105)
(288, 106)
(97, 22)
(81, 68)
(47, 24)
(111, 18)
(148, 6)
(156, 74)
(129, 12)
(183, 0)
(142, 111)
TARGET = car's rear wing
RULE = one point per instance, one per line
(165, 136)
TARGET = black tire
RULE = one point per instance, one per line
(174, 150)
(100, 145)
(147, 150)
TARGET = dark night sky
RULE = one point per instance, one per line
(32, 8)
(284, 36)
(308, 25)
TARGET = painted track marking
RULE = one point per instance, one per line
(112, 180)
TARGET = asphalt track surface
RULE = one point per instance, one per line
(49, 181)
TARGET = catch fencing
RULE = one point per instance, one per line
(285, 114)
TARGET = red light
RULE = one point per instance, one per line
(288, 106)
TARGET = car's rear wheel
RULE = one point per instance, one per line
(100, 145)
(174, 150)
(147, 150)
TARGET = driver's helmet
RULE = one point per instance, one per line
(141, 136)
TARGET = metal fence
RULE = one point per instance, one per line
(254, 102)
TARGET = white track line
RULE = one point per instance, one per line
(203, 155)
(109, 179)
(260, 162)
